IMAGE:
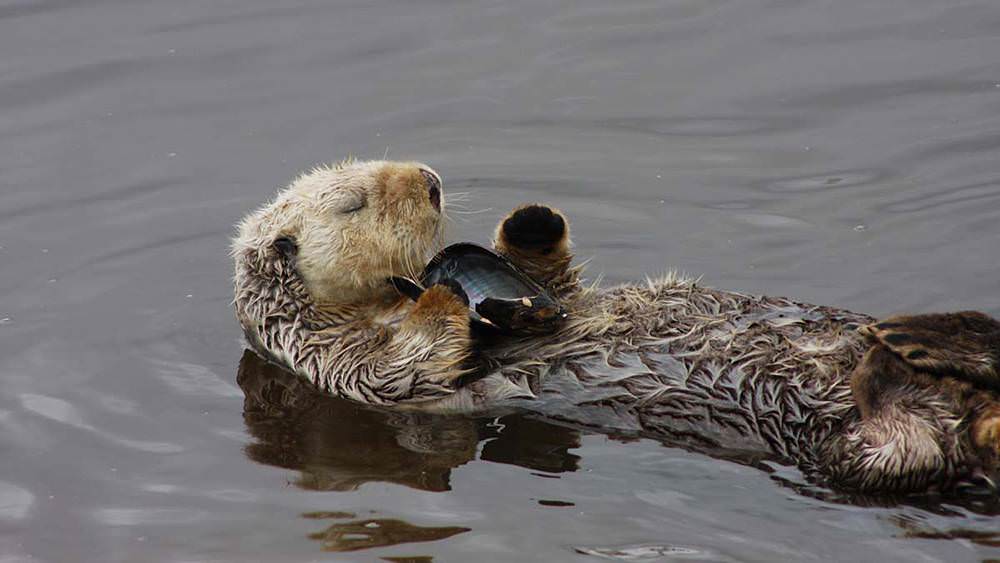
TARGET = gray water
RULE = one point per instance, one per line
(842, 152)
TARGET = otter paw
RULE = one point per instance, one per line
(454, 287)
(961, 344)
(441, 301)
(534, 227)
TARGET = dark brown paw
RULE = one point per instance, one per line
(965, 345)
(454, 287)
(441, 301)
(409, 288)
(534, 227)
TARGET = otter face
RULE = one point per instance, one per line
(352, 226)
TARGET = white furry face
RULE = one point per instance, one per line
(356, 224)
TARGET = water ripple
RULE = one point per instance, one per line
(771, 220)
(677, 126)
(12, 11)
(193, 379)
(963, 145)
(65, 413)
(58, 84)
(54, 409)
(15, 502)
(828, 181)
(116, 195)
(857, 95)
(647, 552)
(979, 192)
(148, 516)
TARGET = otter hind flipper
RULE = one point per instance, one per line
(964, 345)
(954, 354)
(900, 441)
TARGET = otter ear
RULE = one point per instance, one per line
(285, 246)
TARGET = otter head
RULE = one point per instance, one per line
(345, 229)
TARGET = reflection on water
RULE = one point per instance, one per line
(652, 553)
(376, 532)
(914, 528)
(336, 445)
(531, 443)
(970, 498)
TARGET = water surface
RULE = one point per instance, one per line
(843, 153)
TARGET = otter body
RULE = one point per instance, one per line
(902, 405)
(706, 368)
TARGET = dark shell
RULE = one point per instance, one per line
(501, 296)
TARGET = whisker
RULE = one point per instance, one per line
(460, 204)
(471, 212)
(459, 219)
(408, 265)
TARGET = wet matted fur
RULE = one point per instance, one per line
(903, 405)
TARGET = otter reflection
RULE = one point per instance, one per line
(375, 532)
(338, 445)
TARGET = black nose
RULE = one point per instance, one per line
(433, 188)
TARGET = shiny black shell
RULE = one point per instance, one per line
(501, 297)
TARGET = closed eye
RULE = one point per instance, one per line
(352, 205)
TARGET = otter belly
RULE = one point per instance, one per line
(713, 371)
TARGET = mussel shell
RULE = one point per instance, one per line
(501, 296)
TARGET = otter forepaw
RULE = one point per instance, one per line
(454, 287)
(965, 345)
(442, 301)
(534, 227)
(535, 237)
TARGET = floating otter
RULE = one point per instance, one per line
(901, 405)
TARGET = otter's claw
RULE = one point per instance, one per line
(406, 287)
(977, 480)
(981, 478)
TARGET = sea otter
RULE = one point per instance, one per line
(902, 405)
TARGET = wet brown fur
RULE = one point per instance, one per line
(902, 405)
